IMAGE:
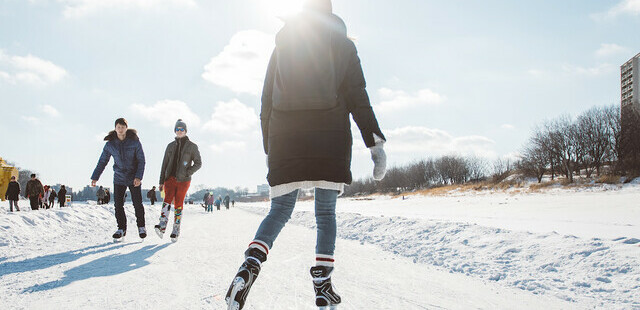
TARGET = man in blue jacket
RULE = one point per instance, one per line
(128, 168)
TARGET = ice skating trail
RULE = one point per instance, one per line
(66, 259)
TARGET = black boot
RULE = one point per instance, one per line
(247, 274)
(119, 235)
(326, 297)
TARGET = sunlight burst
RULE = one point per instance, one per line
(281, 8)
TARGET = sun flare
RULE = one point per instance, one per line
(281, 8)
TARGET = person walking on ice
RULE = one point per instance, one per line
(34, 192)
(62, 196)
(124, 146)
(13, 194)
(151, 194)
(314, 82)
(181, 161)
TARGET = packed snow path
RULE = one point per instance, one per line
(65, 259)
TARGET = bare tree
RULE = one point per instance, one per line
(563, 134)
(452, 169)
(535, 158)
(501, 169)
(594, 138)
(612, 117)
(477, 168)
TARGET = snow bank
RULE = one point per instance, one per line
(43, 226)
(591, 272)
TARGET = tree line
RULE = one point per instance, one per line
(590, 144)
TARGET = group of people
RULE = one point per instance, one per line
(181, 161)
(39, 196)
(210, 201)
(314, 83)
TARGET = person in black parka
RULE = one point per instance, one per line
(34, 192)
(13, 194)
(151, 194)
(314, 84)
(62, 196)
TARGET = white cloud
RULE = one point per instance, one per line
(31, 119)
(392, 100)
(597, 70)
(507, 126)
(625, 7)
(426, 142)
(570, 71)
(233, 117)
(50, 110)
(167, 112)
(29, 69)
(607, 50)
(242, 64)
(228, 146)
(82, 8)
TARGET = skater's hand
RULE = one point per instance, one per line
(93, 183)
(161, 187)
(379, 158)
(137, 182)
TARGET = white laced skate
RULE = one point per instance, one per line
(175, 233)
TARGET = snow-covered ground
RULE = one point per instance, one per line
(555, 250)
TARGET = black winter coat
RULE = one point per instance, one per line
(314, 143)
(13, 191)
(62, 195)
(34, 189)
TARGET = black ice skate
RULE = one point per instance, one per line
(119, 235)
(142, 232)
(326, 297)
(247, 274)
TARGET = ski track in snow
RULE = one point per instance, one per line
(65, 259)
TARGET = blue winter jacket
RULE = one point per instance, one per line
(128, 158)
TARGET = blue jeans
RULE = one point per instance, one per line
(280, 213)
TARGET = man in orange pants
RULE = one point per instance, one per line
(181, 160)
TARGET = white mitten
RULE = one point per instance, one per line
(379, 161)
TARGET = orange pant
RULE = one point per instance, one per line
(175, 191)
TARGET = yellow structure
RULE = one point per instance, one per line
(6, 172)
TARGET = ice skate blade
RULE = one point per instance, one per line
(174, 240)
(334, 307)
(118, 240)
(159, 232)
(238, 285)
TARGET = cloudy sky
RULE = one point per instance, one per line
(445, 77)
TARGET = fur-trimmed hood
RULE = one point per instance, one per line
(131, 134)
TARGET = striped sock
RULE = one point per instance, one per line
(260, 245)
(324, 260)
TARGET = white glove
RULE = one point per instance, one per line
(379, 158)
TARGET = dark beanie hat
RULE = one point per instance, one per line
(180, 123)
(319, 5)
